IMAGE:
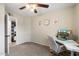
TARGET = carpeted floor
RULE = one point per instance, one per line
(33, 49)
(29, 49)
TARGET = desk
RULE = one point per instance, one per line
(70, 45)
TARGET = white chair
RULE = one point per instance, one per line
(54, 46)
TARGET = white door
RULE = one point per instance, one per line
(7, 33)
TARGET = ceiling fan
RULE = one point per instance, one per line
(34, 6)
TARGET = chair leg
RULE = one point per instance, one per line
(57, 54)
(72, 53)
(53, 52)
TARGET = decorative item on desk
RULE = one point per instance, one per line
(63, 33)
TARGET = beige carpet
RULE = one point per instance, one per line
(33, 49)
(29, 49)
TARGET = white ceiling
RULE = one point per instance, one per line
(14, 7)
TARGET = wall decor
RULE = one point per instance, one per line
(46, 22)
(55, 21)
(40, 22)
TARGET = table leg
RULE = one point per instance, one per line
(72, 53)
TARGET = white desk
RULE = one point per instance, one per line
(70, 45)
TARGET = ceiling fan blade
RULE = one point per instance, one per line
(35, 11)
(43, 5)
(22, 7)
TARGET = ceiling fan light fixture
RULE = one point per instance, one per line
(34, 6)
(28, 6)
(31, 6)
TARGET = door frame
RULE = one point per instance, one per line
(6, 39)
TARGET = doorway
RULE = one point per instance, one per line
(13, 33)
(10, 33)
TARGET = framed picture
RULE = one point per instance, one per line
(46, 22)
(40, 23)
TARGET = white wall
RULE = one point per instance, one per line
(2, 37)
(23, 28)
(77, 19)
(64, 17)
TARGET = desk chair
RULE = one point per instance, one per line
(54, 46)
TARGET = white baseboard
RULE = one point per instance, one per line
(21, 43)
(40, 43)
